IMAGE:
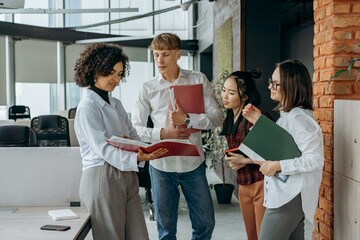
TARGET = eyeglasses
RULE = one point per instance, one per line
(274, 85)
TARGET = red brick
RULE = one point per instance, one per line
(329, 115)
(341, 61)
(325, 75)
(326, 127)
(319, 38)
(341, 8)
(346, 21)
(329, 195)
(327, 179)
(326, 231)
(328, 154)
(328, 140)
(316, 102)
(356, 8)
(319, 63)
(319, 114)
(357, 34)
(319, 89)
(326, 205)
(357, 87)
(339, 88)
(328, 166)
(329, 10)
(326, 101)
(323, 217)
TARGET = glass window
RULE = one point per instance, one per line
(40, 97)
(3, 113)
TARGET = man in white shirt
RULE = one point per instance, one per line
(167, 174)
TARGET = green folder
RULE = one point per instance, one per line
(270, 141)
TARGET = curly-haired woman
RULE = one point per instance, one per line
(109, 184)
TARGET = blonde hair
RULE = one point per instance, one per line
(165, 41)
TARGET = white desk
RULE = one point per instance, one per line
(25, 224)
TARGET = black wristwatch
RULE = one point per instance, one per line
(187, 120)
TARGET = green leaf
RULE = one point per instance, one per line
(337, 73)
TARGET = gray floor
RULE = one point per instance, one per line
(229, 221)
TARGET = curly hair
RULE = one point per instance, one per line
(98, 60)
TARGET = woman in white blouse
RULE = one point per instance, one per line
(289, 203)
(109, 185)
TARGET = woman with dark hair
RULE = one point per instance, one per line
(288, 204)
(238, 90)
(109, 185)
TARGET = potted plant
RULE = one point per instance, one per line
(350, 66)
(216, 146)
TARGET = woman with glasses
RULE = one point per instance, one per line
(238, 90)
(288, 204)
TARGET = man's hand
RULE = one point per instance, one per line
(173, 133)
(237, 161)
(178, 116)
(268, 168)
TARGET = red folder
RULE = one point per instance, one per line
(174, 147)
(189, 97)
(235, 150)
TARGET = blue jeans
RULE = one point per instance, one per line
(165, 189)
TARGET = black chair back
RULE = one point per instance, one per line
(17, 136)
(72, 113)
(51, 130)
(19, 111)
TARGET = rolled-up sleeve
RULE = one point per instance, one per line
(308, 137)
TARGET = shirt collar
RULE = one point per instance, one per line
(182, 74)
(94, 96)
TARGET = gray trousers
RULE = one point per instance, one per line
(285, 222)
(112, 198)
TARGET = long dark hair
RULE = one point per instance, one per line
(295, 86)
(246, 87)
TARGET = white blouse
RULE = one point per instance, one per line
(305, 171)
(96, 121)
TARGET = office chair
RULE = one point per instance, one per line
(17, 136)
(145, 181)
(51, 130)
(72, 113)
(19, 111)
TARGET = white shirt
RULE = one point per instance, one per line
(154, 100)
(96, 121)
(305, 171)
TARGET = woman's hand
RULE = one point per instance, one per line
(151, 156)
(251, 113)
(237, 161)
(268, 168)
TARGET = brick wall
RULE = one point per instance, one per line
(337, 32)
